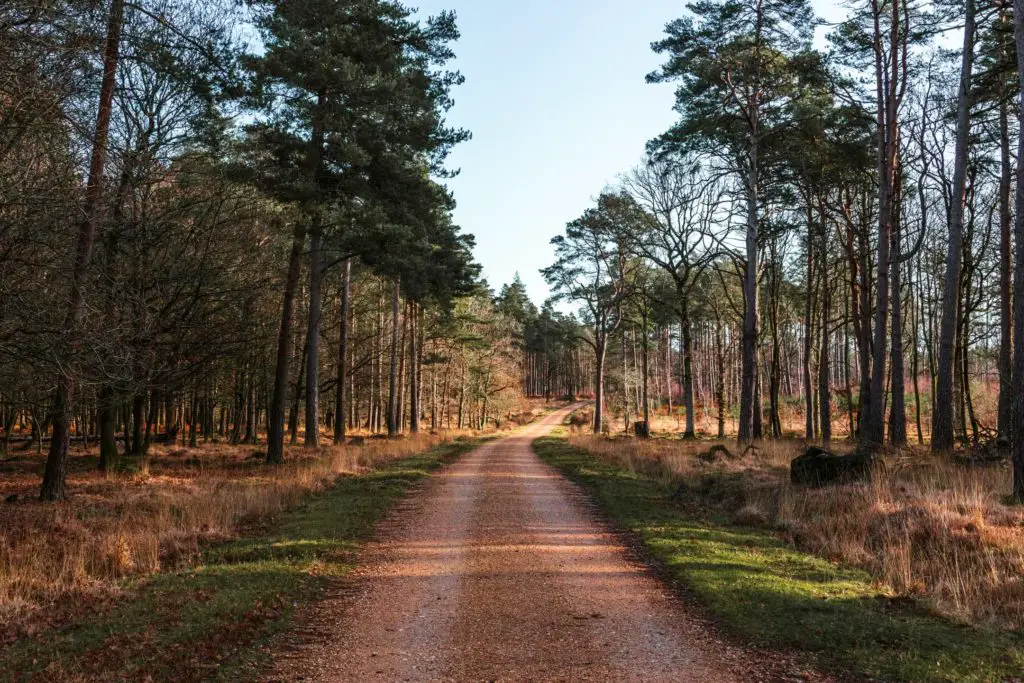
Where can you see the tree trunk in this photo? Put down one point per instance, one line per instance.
(138, 406)
(1017, 430)
(108, 435)
(824, 370)
(720, 388)
(599, 357)
(750, 291)
(1005, 259)
(56, 462)
(888, 89)
(392, 417)
(942, 415)
(275, 416)
(403, 384)
(312, 435)
(808, 330)
(340, 404)
(685, 332)
(898, 411)
(293, 417)
(645, 362)
(416, 340)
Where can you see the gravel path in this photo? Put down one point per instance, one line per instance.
(496, 570)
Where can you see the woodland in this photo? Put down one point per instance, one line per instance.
(824, 245)
(228, 251)
(242, 234)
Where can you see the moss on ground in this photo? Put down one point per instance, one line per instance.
(215, 621)
(768, 594)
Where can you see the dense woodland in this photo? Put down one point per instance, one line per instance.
(224, 222)
(230, 222)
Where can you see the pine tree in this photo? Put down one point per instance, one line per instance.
(733, 62)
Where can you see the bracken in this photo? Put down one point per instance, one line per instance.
(927, 527)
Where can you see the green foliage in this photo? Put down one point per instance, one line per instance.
(350, 98)
(593, 263)
(733, 61)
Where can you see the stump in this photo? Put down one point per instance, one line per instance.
(642, 430)
(818, 467)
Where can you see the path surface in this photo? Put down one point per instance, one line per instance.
(496, 570)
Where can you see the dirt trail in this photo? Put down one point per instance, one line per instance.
(496, 570)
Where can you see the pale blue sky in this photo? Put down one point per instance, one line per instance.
(557, 102)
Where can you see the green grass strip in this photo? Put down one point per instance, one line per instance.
(214, 621)
(771, 595)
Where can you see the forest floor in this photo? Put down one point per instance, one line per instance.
(212, 619)
(761, 588)
(499, 570)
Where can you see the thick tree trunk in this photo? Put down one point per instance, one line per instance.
(1005, 259)
(1017, 431)
(275, 416)
(942, 416)
(748, 374)
(293, 417)
(888, 86)
(56, 462)
(108, 434)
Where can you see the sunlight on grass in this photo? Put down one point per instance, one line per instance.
(769, 594)
(212, 621)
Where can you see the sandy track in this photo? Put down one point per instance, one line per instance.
(496, 570)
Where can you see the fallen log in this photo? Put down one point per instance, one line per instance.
(818, 467)
(712, 454)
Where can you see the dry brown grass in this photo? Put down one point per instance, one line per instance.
(925, 528)
(56, 559)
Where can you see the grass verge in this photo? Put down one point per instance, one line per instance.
(215, 620)
(771, 595)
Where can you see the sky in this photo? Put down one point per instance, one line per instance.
(557, 102)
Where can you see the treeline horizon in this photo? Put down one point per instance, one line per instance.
(205, 235)
(843, 224)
